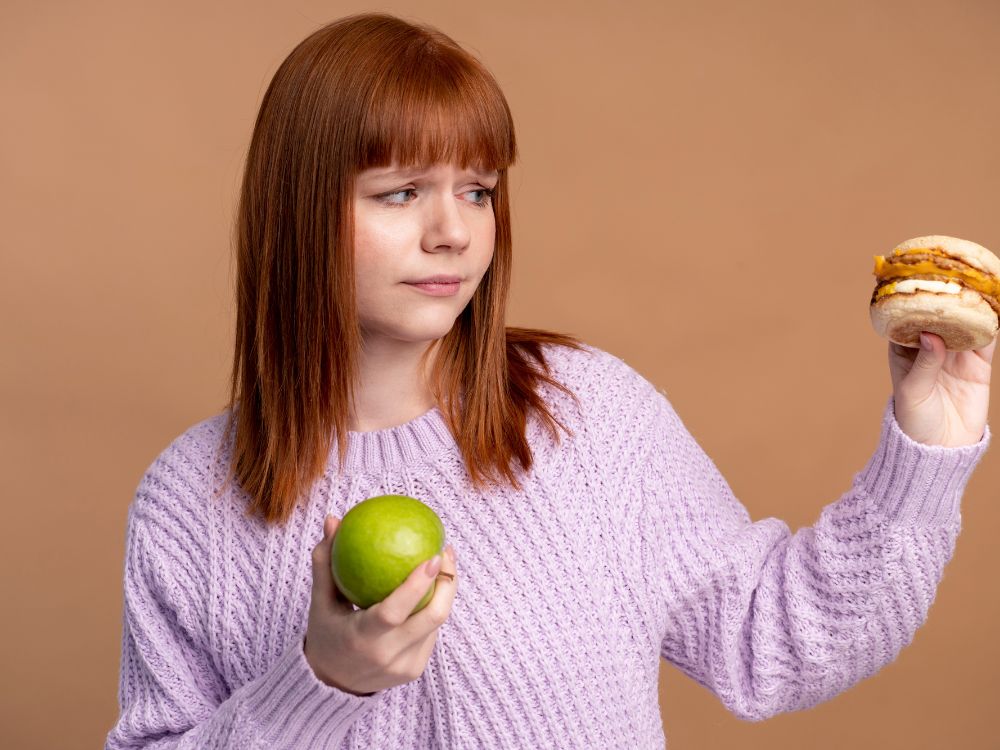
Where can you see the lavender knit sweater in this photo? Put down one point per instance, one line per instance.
(625, 546)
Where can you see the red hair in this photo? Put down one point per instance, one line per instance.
(365, 91)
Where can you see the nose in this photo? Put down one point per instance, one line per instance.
(444, 226)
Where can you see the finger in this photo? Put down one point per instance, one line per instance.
(392, 611)
(437, 610)
(900, 362)
(986, 352)
(922, 377)
(324, 589)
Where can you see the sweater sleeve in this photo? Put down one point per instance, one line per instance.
(772, 621)
(171, 693)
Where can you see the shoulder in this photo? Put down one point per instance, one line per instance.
(592, 372)
(180, 481)
(612, 396)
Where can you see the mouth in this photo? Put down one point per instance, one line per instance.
(438, 279)
(436, 288)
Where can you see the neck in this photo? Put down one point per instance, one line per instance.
(392, 387)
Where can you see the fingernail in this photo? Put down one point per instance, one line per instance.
(925, 342)
(433, 566)
(450, 551)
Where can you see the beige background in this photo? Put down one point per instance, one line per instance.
(701, 190)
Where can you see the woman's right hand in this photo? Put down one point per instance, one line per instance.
(365, 650)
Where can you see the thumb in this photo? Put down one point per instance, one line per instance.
(393, 611)
(923, 375)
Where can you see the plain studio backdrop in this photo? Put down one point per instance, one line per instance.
(701, 190)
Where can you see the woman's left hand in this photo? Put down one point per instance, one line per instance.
(941, 397)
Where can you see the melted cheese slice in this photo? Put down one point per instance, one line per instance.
(982, 282)
(919, 285)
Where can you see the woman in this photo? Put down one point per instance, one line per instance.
(576, 559)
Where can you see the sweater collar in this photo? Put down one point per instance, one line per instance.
(423, 436)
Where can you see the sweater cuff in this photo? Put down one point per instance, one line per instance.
(293, 707)
(915, 484)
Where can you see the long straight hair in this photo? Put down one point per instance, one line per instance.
(366, 91)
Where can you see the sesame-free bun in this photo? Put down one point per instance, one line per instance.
(907, 303)
(965, 320)
(975, 255)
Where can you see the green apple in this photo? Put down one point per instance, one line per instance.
(379, 542)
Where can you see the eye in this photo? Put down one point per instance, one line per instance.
(487, 196)
(384, 198)
(388, 199)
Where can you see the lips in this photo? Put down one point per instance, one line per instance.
(439, 279)
(437, 286)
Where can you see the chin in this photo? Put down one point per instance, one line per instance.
(431, 334)
(413, 333)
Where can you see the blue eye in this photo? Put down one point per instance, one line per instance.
(482, 203)
(394, 203)
(487, 197)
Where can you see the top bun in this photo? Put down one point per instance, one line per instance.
(975, 255)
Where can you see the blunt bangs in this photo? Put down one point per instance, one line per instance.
(435, 105)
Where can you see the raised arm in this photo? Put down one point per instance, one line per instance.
(772, 621)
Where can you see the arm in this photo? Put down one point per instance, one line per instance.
(772, 621)
(171, 694)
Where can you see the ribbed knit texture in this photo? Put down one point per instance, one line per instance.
(625, 545)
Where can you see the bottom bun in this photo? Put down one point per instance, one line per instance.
(965, 320)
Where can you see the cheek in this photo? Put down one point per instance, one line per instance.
(376, 252)
(488, 249)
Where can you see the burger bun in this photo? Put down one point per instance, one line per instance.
(964, 320)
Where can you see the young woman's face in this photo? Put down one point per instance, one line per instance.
(413, 224)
